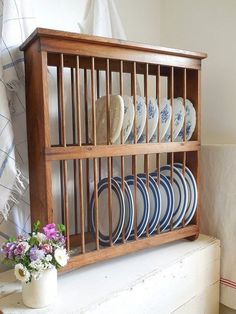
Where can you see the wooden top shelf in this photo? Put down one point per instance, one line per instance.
(68, 36)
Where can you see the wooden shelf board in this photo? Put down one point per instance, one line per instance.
(82, 152)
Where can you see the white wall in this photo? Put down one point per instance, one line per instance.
(141, 19)
(209, 26)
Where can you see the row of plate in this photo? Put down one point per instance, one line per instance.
(157, 205)
(121, 111)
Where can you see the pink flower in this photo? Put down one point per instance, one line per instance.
(47, 248)
(50, 231)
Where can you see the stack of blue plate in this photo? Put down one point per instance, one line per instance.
(155, 205)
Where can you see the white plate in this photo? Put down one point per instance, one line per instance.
(165, 118)
(192, 192)
(190, 121)
(152, 120)
(180, 192)
(129, 208)
(167, 200)
(140, 119)
(118, 211)
(178, 116)
(155, 201)
(142, 205)
(116, 119)
(128, 118)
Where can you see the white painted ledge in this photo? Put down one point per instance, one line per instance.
(179, 278)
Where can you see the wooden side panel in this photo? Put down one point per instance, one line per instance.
(38, 134)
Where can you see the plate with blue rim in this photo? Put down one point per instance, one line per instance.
(155, 202)
(129, 208)
(167, 200)
(190, 121)
(178, 120)
(192, 192)
(141, 113)
(165, 118)
(180, 193)
(118, 211)
(152, 114)
(142, 204)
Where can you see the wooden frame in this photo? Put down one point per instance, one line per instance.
(87, 57)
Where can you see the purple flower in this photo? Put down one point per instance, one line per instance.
(50, 231)
(21, 248)
(8, 249)
(36, 254)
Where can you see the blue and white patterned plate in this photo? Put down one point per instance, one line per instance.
(180, 193)
(178, 116)
(190, 121)
(167, 200)
(140, 119)
(129, 208)
(152, 120)
(142, 204)
(192, 192)
(128, 118)
(165, 118)
(118, 211)
(155, 202)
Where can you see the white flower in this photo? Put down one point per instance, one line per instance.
(37, 265)
(48, 258)
(26, 246)
(22, 273)
(61, 256)
(41, 237)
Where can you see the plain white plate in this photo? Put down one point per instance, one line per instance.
(116, 119)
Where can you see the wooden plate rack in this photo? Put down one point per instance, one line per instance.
(65, 163)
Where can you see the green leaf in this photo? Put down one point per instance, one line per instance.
(12, 239)
(36, 226)
(61, 228)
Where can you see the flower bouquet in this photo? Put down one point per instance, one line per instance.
(36, 258)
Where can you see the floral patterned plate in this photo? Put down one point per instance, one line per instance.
(165, 118)
(140, 119)
(178, 116)
(153, 114)
(190, 121)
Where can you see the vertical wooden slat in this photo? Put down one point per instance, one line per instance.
(80, 170)
(172, 128)
(108, 143)
(98, 96)
(95, 168)
(158, 97)
(75, 163)
(134, 158)
(122, 163)
(60, 142)
(64, 162)
(146, 156)
(87, 142)
(38, 133)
